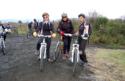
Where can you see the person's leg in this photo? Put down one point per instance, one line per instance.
(83, 55)
(38, 44)
(48, 41)
(65, 47)
(69, 43)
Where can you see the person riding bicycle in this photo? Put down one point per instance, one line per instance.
(45, 28)
(83, 36)
(65, 26)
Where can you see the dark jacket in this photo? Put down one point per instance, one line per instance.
(46, 28)
(65, 26)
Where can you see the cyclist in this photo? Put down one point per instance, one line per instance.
(83, 29)
(46, 28)
(65, 26)
(35, 25)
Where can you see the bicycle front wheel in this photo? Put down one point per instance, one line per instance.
(75, 61)
(42, 63)
(3, 47)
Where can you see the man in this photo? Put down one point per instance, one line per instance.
(65, 26)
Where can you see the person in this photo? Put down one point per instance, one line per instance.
(65, 26)
(45, 28)
(2, 31)
(35, 25)
(30, 31)
(83, 36)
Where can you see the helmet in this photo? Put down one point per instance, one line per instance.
(64, 15)
(83, 15)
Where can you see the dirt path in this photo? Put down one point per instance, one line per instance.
(21, 64)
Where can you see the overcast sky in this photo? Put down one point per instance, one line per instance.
(29, 9)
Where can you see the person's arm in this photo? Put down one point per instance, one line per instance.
(72, 28)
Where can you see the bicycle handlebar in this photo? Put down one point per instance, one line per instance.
(46, 36)
(68, 34)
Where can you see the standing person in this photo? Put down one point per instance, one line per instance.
(65, 26)
(84, 32)
(30, 31)
(45, 28)
(35, 24)
(2, 31)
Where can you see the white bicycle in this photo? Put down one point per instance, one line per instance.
(43, 55)
(75, 53)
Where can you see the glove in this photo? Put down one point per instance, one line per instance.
(53, 35)
(62, 33)
(86, 35)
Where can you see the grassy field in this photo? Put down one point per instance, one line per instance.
(111, 64)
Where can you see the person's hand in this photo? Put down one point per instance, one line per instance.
(35, 34)
(86, 35)
(53, 35)
(62, 33)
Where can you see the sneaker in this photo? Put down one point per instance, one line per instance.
(36, 52)
(64, 57)
(50, 60)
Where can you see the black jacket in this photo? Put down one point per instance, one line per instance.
(46, 28)
(65, 26)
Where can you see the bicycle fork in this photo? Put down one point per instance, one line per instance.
(75, 47)
(43, 45)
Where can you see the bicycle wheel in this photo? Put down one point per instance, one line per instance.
(75, 61)
(3, 47)
(42, 63)
(57, 53)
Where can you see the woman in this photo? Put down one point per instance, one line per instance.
(65, 26)
(45, 28)
(83, 37)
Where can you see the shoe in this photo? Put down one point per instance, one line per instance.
(36, 52)
(64, 57)
(67, 56)
(50, 60)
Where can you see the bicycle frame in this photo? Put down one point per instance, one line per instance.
(75, 47)
(43, 44)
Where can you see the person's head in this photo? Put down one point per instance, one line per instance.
(64, 17)
(34, 20)
(45, 16)
(81, 18)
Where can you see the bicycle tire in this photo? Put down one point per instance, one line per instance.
(3, 47)
(57, 53)
(42, 64)
(75, 61)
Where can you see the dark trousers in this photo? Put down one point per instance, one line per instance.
(48, 41)
(82, 47)
(67, 42)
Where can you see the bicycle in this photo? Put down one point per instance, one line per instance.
(2, 43)
(58, 50)
(59, 47)
(43, 55)
(75, 53)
